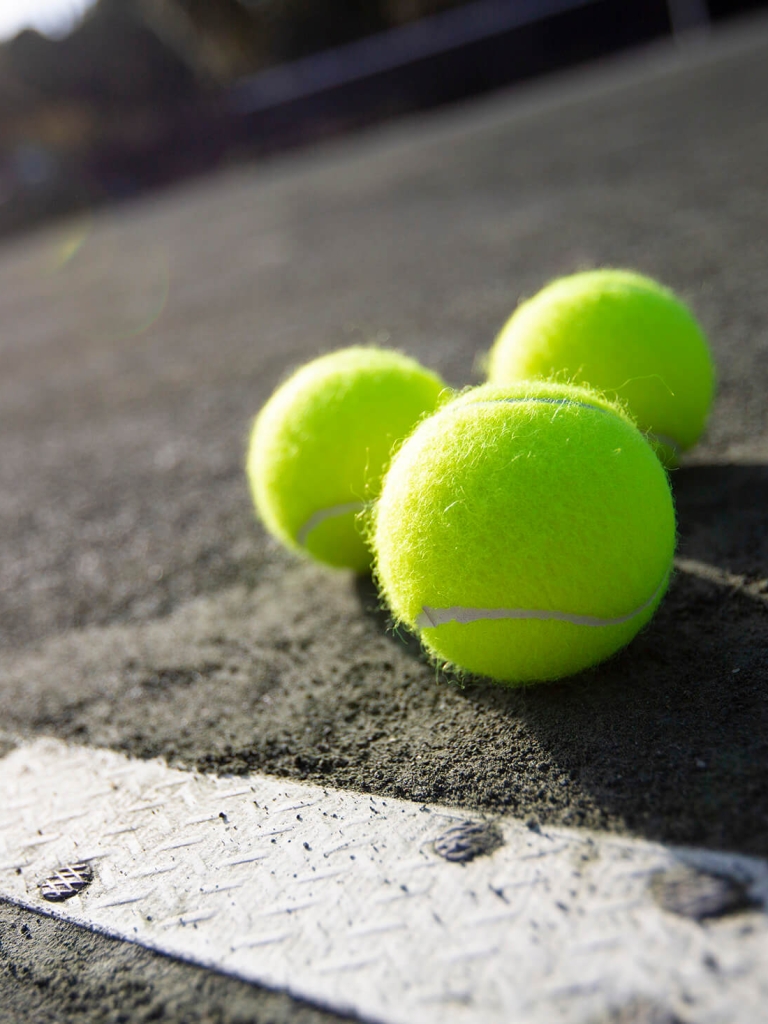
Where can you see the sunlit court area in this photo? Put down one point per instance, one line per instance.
(383, 544)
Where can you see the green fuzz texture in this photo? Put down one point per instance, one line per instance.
(537, 499)
(319, 447)
(623, 334)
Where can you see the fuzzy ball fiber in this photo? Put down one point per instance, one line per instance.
(525, 532)
(321, 443)
(625, 335)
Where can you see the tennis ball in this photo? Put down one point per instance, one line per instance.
(525, 532)
(623, 334)
(319, 447)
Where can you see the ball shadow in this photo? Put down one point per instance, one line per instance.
(375, 609)
(722, 516)
(669, 738)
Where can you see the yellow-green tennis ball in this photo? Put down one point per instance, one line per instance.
(623, 334)
(525, 532)
(320, 445)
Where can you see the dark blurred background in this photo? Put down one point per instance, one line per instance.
(140, 93)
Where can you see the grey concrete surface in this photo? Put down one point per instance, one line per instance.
(142, 607)
(51, 971)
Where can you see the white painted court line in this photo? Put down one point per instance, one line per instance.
(342, 898)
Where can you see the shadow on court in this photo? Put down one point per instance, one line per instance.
(671, 735)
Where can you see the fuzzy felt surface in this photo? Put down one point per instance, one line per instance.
(622, 333)
(321, 442)
(143, 607)
(523, 508)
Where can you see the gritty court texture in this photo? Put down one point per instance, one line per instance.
(143, 611)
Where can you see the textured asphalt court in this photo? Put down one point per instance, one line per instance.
(143, 610)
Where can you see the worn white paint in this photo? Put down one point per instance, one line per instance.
(340, 898)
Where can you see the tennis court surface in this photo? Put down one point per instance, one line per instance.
(167, 671)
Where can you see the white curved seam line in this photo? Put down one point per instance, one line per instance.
(664, 439)
(327, 513)
(540, 401)
(433, 617)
